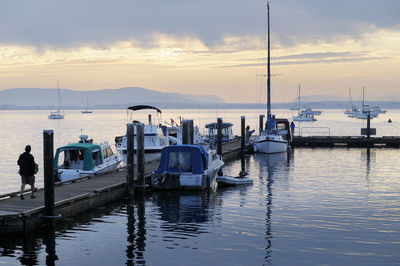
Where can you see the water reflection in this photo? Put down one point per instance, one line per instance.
(136, 232)
(367, 155)
(184, 212)
(270, 164)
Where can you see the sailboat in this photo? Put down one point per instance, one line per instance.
(57, 114)
(273, 139)
(301, 115)
(87, 111)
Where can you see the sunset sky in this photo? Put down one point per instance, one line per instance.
(203, 47)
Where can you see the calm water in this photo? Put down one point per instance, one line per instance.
(309, 207)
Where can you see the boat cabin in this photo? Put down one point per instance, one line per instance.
(227, 132)
(183, 158)
(82, 156)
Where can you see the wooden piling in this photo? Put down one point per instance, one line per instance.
(48, 167)
(140, 154)
(190, 132)
(185, 133)
(261, 123)
(219, 136)
(242, 145)
(130, 157)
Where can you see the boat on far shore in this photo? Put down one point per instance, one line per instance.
(87, 111)
(57, 114)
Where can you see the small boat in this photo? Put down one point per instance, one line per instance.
(57, 114)
(154, 138)
(188, 167)
(84, 158)
(306, 114)
(233, 181)
(310, 111)
(87, 111)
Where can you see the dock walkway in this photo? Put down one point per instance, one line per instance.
(346, 141)
(72, 198)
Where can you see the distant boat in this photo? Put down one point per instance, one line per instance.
(303, 115)
(366, 110)
(87, 111)
(57, 114)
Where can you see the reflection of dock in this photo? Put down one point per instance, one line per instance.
(346, 141)
(72, 198)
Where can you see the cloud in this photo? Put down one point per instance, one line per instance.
(311, 58)
(72, 23)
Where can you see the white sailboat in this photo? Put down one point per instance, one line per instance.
(302, 116)
(57, 114)
(271, 140)
(87, 111)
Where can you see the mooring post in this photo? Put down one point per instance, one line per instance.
(243, 145)
(185, 133)
(140, 155)
(190, 132)
(261, 125)
(130, 141)
(48, 167)
(219, 136)
(369, 129)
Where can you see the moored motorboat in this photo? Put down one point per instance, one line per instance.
(154, 139)
(84, 158)
(227, 132)
(187, 167)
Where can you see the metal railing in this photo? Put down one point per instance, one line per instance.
(321, 131)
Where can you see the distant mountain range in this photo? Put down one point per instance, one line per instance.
(109, 98)
(36, 98)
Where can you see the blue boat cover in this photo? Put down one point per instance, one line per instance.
(183, 158)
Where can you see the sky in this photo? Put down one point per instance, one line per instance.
(204, 47)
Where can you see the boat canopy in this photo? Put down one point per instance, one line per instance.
(183, 158)
(215, 125)
(84, 151)
(141, 107)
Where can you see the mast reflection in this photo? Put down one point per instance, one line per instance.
(270, 164)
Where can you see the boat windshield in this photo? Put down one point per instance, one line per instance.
(180, 161)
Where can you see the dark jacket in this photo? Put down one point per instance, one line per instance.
(26, 164)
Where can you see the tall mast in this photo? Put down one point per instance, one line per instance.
(269, 118)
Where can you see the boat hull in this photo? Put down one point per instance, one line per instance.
(70, 174)
(185, 181)
(270, 146)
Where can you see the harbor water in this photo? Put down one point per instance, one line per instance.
(320, 206)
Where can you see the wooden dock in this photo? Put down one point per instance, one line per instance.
(349, 141)
(72, 198)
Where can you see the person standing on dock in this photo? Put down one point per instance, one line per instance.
(27, 167)
(292, 126)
